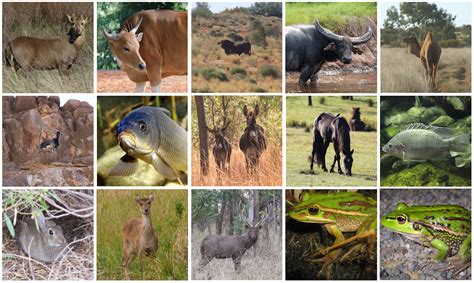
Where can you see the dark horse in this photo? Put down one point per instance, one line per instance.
(252, 142)
(328, 128)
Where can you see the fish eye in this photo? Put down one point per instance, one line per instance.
(417, 226)
(401, 219)
(313, 210)
(126, 49)
(143, 127)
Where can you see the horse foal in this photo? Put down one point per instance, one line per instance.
(139, 238)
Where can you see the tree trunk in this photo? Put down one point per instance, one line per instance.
(279, 215)
(203, 146)
(275, 214)
(231, 213)
(310, 101)
(256, 209)
(220, 219)
(265, 225)
(209, 230)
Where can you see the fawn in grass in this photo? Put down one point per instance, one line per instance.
(139, 238)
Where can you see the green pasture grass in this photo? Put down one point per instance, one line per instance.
(116, 207)
(332, 14)
(299, 142)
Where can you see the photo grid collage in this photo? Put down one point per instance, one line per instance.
(189, 141)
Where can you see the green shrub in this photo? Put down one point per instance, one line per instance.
(370, 103)
(238, 70)
(270, 71)
(322, 100)
(211, 73)
(234, 36)
(259, 90)
(216, 33)
(257, 34)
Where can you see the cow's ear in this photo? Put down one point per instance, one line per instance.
(356, 50)
(140, 36)
(246, 111)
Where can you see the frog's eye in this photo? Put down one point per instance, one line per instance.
(313, 210)
(401, 219)
(416, 226)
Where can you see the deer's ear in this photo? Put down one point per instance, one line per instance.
(150, 197)
(257, 110)
(137, 198)
(246, 111)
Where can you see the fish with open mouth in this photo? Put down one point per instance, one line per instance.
(149, 134)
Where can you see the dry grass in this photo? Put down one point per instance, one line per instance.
(73, 210)
(269, 173)
(45, 20)
(403, 72)
(262, 262)
(208, 54)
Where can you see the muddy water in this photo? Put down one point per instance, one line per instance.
(337, 83)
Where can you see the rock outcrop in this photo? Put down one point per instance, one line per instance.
(27, 122)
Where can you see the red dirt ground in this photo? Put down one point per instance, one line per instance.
(117, 81)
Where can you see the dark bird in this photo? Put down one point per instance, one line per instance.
(54, 143)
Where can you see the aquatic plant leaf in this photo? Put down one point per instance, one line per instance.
(455, 102)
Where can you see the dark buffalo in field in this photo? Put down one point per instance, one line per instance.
(309, 46)
(239, 48)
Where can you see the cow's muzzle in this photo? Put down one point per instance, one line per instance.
(346, 60)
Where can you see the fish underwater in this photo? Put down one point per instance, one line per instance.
(149, 134)
(420, 142)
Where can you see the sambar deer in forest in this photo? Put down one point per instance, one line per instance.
(28, 53)
(139, 237)
(230, 246)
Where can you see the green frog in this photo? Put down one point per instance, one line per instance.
(340, 212)
(447, 228)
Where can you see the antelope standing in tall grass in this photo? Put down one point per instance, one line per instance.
(139, 238)
(28, 53)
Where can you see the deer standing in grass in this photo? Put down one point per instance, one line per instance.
(139, 238)
(221, 147)
(230, 246)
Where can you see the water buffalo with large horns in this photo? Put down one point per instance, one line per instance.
(307, 47)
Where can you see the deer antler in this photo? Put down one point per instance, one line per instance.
(262, 220)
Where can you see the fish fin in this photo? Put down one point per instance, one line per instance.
(126, 166)
(166, 111)
(460, 143)
(163, 168)
(442, 131)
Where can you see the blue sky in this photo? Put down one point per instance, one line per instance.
(462, 11)
(217, 7)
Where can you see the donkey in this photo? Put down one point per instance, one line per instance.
(355, 122)
(329, 128)
(139, 238)
(221, 148)
(253, 141)
(60, 53)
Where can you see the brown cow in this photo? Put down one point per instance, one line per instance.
(429, 54)
(151, 45)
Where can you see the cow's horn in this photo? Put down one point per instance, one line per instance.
(362, 39)
(328, 34)
(134, 30)
(108, 36)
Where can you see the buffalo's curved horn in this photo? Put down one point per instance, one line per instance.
(109, 36)
(362, 39)
(328, 34)
(134, 30)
